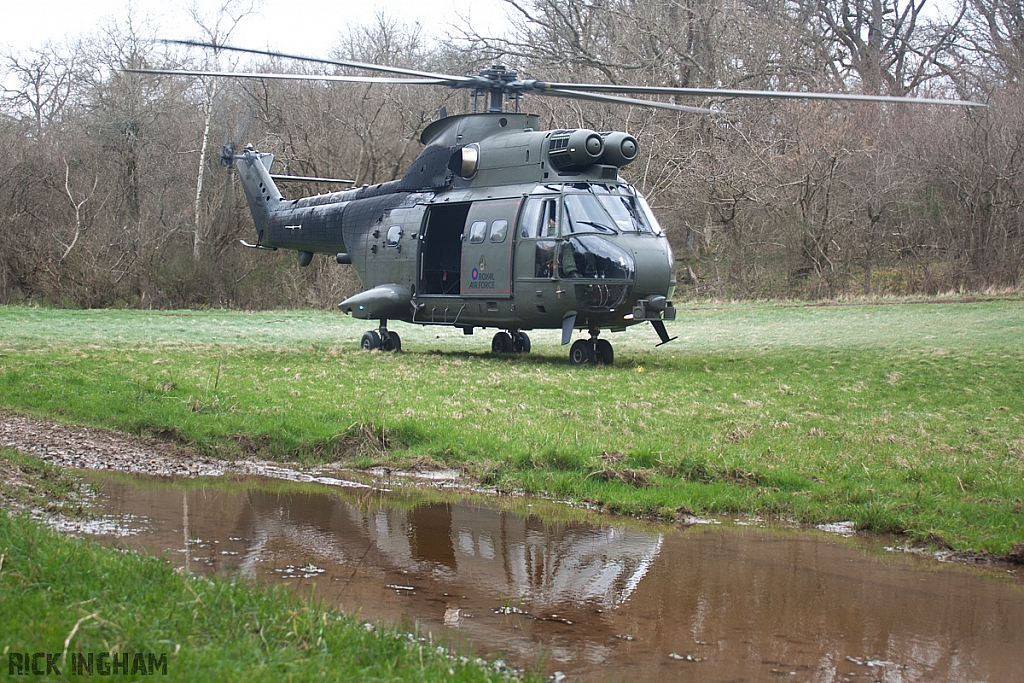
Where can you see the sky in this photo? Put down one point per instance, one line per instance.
(308, 27)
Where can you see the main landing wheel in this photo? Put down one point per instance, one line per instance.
(581, 352)
(501, 343)
(520, 342)
(595, 351)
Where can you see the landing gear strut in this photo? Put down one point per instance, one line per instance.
(591, 350)
(381, 338)
(513, 341)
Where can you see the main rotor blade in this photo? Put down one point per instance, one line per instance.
(451, 80)
(290, 77)
(544, 87)
(576, 95)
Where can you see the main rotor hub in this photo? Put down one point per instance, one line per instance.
(499, 81)
(499, 73)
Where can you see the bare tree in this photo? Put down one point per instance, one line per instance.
(216, 28)
(990, 52)
(881, 42)
(76, 203)
(45, 84)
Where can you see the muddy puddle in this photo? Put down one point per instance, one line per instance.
(594, 597)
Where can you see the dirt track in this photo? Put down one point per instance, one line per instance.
(101, 449)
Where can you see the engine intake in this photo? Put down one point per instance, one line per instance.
(465, 161)
(574, 150)
(620, 149)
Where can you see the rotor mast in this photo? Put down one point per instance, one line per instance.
(495, 82)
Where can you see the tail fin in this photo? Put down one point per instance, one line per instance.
(261, 192)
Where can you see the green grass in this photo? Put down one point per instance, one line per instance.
(902, 418)
(29, 483)
(58, 590)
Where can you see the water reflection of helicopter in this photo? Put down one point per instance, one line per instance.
(497, 223)
(465, 546)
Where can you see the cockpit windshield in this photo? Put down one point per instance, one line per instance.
(628, 208)
(607, 209)
(583, 213)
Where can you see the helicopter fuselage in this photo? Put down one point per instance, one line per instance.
(496, 224)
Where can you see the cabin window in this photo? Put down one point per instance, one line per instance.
(477, 232)
(499, 229)
(394, 235)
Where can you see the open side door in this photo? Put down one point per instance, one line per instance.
(487, 249)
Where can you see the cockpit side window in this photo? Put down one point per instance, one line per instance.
(529, 220)
(652, 220)
(539, 218)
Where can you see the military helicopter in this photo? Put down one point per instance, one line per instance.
(497, 223)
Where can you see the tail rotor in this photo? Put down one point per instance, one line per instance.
(227, 155)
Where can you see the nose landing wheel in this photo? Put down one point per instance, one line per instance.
(382, 339)
(603, 352)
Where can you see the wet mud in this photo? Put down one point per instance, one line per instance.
(593, 598)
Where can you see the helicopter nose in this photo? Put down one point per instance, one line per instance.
(653, 270)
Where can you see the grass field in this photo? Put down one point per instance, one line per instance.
(905, 418)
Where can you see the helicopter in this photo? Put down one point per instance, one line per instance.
(498, 223)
